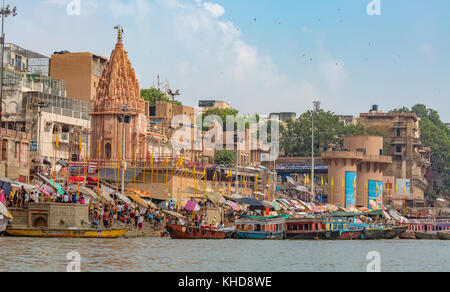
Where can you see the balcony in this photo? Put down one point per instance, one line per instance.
(399, 126)
(398, 141)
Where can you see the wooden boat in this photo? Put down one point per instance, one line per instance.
(443, 235)
(255, 227)
(92, 233)
(345, 229)
(186, 232)
(426, 235)
(308, 229)
(393, 232)
(373, 232)
(408, 234)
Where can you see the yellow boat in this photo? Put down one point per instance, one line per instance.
(105, 233)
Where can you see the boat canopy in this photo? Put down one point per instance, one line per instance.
(352, 214)
(251, 202)
(4, 211)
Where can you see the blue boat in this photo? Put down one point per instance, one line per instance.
(256, 227)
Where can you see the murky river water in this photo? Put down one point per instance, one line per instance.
(165, 254)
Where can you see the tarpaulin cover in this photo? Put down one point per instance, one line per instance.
(192, 206)
(251, 202)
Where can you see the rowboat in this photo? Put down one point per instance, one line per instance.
(185, 232)
(93, 233)
(426, 235)
(393, 232)
(256, 227)
(443, 235)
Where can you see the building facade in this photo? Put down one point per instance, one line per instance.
(80, 71)
(410, 159)
(355, 176)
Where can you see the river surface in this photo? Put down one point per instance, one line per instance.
(168, 255)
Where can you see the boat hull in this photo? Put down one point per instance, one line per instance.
(408, 234)
(182, 232)
(393, 232)
(314, 235)
(350, 235)
(426, 235)
(444, 235)
(260, 235)
(107, 233)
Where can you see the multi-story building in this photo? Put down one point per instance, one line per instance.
(283, 117)
(14, 160)
(37, 104)
(410, 159)
(80, 71)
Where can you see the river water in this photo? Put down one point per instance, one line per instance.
(168, 255)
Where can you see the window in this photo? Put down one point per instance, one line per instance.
(399, 149)
(108, 150)
(399, 132)
(4, 150)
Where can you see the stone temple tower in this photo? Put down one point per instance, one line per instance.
(118, 87)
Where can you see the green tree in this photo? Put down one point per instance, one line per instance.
(154, 95)
(329, 131)
(224, 157)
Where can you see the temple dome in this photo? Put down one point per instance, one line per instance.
(118, 84)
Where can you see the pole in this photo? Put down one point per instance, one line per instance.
(312, 155)
(123, 150)
(1, 64)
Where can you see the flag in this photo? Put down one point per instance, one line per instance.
(230, 174)
(166, 162)
(256, 181)
(343, 183)
(135, 156)
(214, 176)
(332, 182)
(57, 141)
(396, 189)
(81, 145)
(204, 172)
(180, 162)
(321, 180)
(194, 169)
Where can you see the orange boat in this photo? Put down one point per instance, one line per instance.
(186, 232)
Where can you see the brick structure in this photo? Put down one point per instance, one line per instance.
(54, 216)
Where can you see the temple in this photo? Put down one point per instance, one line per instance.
(118, 87)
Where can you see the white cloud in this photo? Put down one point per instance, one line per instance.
(215, 9)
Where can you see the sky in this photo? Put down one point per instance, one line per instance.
(262, 55)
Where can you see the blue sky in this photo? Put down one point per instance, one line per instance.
(260, 55)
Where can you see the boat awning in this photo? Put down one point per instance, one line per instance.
(4, 211)
(251, 202)
(136, 198)
(214, 197)
(175, 214)
(52, 184)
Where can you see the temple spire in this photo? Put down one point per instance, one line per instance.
(119, 32)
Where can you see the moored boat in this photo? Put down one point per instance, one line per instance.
(373, 232)
(308, 229)
(93, 233)
(345, 229)
(393, 232)
(443, 235)
(186, 232)
(255, 227)
(426, 235)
